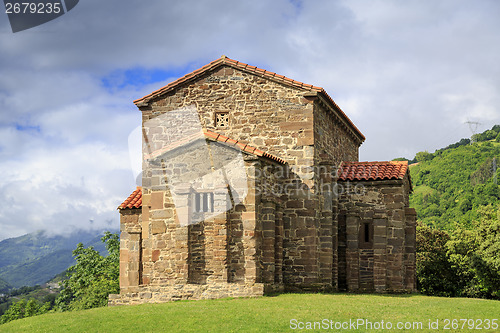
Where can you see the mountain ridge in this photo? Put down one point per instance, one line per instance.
(37, 257)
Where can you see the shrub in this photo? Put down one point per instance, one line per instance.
(92, 278)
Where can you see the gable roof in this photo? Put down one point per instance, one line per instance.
(373, 170)
(242, 146)
(214, 137)
(134, 200)
(225, 61)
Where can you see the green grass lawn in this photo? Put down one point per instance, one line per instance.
(272, 314)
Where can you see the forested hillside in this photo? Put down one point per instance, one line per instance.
(456, 195)
(451, 184)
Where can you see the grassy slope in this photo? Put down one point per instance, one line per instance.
(267, 314)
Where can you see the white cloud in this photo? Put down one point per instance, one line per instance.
(408, 74)
(59, 188)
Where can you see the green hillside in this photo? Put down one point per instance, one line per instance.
(451, 184)
(457, 198)
(282, 313)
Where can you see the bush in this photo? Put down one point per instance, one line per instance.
(23, 309)
(435, 274)
(463, 263)
(92, 278)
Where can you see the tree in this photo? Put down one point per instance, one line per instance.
(435, 274)
(475, 256)
(476, 138)
(93, 277)
(23, 309)
(15, 311)
(489, 135)
(487, 259)
(423, 156)
(483, 173)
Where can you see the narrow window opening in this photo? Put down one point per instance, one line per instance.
(204, 202)
(197, 202)
(367, 233)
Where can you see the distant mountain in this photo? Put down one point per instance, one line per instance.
(4, 286)
(37, 257)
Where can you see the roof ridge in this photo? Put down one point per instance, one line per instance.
(374, 162)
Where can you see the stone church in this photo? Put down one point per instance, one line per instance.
(251, 185)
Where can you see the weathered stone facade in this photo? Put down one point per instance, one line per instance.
(376, 236)
(242, 199)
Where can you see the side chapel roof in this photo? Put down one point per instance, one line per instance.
(135, 199)
(372, 170)
(352, 171)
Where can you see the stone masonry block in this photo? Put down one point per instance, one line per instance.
(157, 200)
(268, 242)
(158, 227)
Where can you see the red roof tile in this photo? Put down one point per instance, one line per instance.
(254, 70)
(216, 137)
(347, 171)
(372, 170)
(241, 146)
(134, 200)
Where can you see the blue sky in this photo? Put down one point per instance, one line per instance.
(408, 74)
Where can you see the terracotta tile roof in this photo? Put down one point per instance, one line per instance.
(215, 137)
(254, 70)
(134, 200)
(175, 144)
(372, 170)
(242, 146)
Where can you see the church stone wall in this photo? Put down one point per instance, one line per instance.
(333, 141)
(290, 232)
(376, 237)
(262, 113)
(130, 247)
(285, 122)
